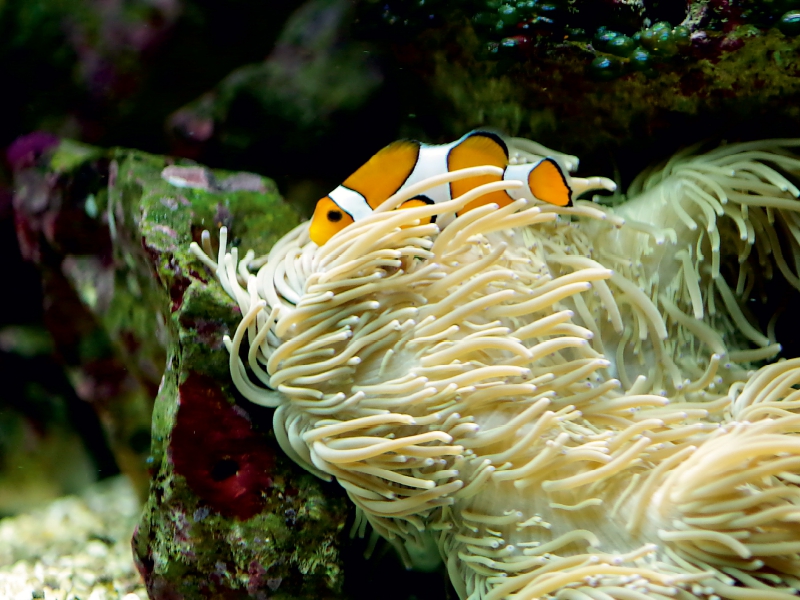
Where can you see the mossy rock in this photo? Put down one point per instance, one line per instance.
(227, 516)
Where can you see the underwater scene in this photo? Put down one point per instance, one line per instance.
(400, 299)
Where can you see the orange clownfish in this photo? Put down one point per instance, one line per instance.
(406, 162)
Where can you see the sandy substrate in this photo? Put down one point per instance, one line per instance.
(76, 548)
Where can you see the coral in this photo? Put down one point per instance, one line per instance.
(563, 400)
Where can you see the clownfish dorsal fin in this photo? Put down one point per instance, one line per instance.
(478, 148)
(384, 173)
(475, 149)
(548, 183)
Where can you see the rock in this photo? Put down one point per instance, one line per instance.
(109, 231)
(619, 83)
(100, 316)
(76, 65)
(315, 100)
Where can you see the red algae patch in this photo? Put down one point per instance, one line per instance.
(215, 448)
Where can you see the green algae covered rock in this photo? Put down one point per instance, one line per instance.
(621, 83)
(227, 516)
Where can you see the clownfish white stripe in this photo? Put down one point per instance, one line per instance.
(518, 173)
(432, 161)
(351, 202)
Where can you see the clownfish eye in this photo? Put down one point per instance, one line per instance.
(334, 216)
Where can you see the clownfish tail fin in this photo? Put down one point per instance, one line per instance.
(548, 183)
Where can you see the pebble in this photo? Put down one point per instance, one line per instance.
(76, 547)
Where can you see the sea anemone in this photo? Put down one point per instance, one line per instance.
(562, 400)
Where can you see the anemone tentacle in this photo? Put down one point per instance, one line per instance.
(560, 398)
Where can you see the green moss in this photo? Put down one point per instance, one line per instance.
(169, 219)
(70, 154)
(193, 543)
(193, 548)
(756, 62)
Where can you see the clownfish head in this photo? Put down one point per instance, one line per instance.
(328, 220)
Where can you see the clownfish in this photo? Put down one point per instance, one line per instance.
(406, 162)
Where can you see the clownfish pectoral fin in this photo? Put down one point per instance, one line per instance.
(419, 201)
(548, 183)
(328, 220)
(385, 173)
